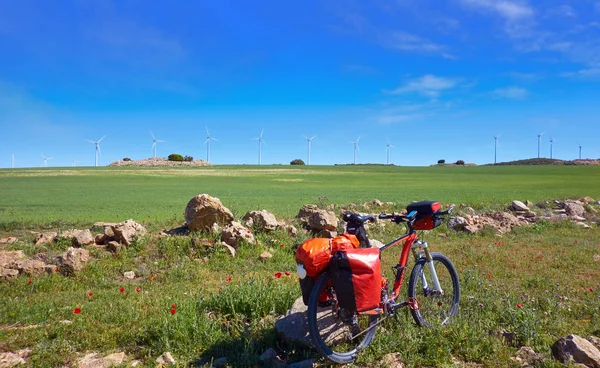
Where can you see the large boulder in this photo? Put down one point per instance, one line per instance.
(574, 208)
(74, 259)
(293, 327)
(576, 349)
(457, 223)
(46, 238)
(317, 219)
(8, 274)
(127, 231)
(30, 267)
(203, 211)
(262, 220)
(234, 234)
(9, 258)
(519, 206)
(78, 238)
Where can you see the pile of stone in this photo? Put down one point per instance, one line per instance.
(158, 161)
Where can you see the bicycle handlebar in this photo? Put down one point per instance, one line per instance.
(354, 217)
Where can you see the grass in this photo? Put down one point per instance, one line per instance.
(227, 306)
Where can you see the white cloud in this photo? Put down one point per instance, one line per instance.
(428, 85)
(588, 73)
(509, 10)
(405, 41)
(513, 93)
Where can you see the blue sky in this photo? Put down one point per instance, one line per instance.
(437, 78)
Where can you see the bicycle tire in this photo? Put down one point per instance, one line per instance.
(432, 308)
(329, 332)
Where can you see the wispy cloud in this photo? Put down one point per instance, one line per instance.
(428, 85)
(513, 93)
(509, 10)
(404, 41)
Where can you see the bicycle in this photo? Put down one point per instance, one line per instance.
(433, 293)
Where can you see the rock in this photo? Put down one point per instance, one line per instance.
(519, 206)
(46, 238)
(203, 211)
(8, 258)
(578, 218)
(78, 238)
(50, 269)
(129, 275)
(231, 249)
(234, 234)
(220, 362)
(108, 231)
(327, 234)
(574, 208)
(74, 259)
(9, 359)
(583, 225)
(101, 239)
(596, 257)
(165, 359)
(469, 210)
(317, 219)
(376, 203)
(262, 220)
(8, 274)
(376, 243)
(529, 203)
(127, 231)
(30, 267)
(470, 229)
(265, 256)
(526, 356)
(587, 199)
(392, 360)
(595, 341)
(293, 327)
(93, 361)
(9, 240)
(114, 246)
(576, 349)
(178, 231)
(291, 229)
(308, 363)
(457, 223)
(267, 356)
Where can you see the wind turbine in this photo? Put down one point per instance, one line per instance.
(74, 163)
(551, 141)
(496, 137)
(355, 143)
(579, 150)
(12, 161)
(46, 160)
(387, 148)
(309, 140)
(207, 142)
(154, 143)
(539, 142)
(260, 142)
(97, 144)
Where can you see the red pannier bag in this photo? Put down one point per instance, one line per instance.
(356, 277)
(426, 218)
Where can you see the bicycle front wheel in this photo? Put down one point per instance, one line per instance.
(430, 306)
(337, 334)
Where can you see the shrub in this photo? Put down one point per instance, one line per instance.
(297, 162)
(460, 162)
(188, 158)
(175, 157)
(126, 159)
(441, 161)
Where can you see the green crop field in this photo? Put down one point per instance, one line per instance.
(537, 283)
(160, 194)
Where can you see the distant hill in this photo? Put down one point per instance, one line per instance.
(549, 161)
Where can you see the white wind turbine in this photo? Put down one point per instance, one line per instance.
(308, 140)
(46, 160)
(579, 150)
(496, 137)
(154, 140)
(387, 148)
(260, 142)
(207, 142)
(539, 143)
(97, 144)
(12, 161)
(74, 163)
(355, 143)
(551, 142)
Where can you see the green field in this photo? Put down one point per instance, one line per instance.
(159, 194)
(540, 282)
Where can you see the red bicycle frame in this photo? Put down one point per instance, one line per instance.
(408, 239)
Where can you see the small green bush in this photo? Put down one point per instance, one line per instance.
(441, 161)
(175, 157)
(188, 158)
(126, 159)
(297, 162)
(460, 162)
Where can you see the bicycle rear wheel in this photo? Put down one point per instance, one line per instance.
(337, 334)
(430, 307)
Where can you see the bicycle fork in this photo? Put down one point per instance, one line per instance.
(422, 245)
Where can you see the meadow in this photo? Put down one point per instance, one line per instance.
(539, 282)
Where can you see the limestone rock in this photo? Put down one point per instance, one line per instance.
(101, 239)
(114, 246)
(8, 274)
(262, 220)
(457, 223)
(129, 275)
(576, 349)
(229, 248)
(583, 225)
(291, 229)
(293, 327)
(74, 259)
(376, 243)
(317, 219)
(265, 256)
(326, 234)
(92, 360)
(9, 359)
(78, 238)
(392, 360)
(126, 232)
(203, 211)
(165, 359)
(574, 208)
(234, 234)
(519, 206)
(30, 267)
(8, 258)
(46, 238)
(9, 240)
(526, 356)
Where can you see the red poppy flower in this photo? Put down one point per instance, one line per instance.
(29, 281)
(228, 279)
(56, 270)
(489, 275)
(278, 274)
(9, 238)
(519, 305)
(84, 279)
(173, 306)
(138, 289)
(281, 245)
(90, 294)
(591, 289)
(287, 273)
(76, 310)
(173, 311)
(122, 289)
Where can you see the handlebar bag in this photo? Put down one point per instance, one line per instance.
(426, 218)
(356, 277)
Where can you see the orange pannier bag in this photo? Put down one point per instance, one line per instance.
(314, 254)
(344, 241)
